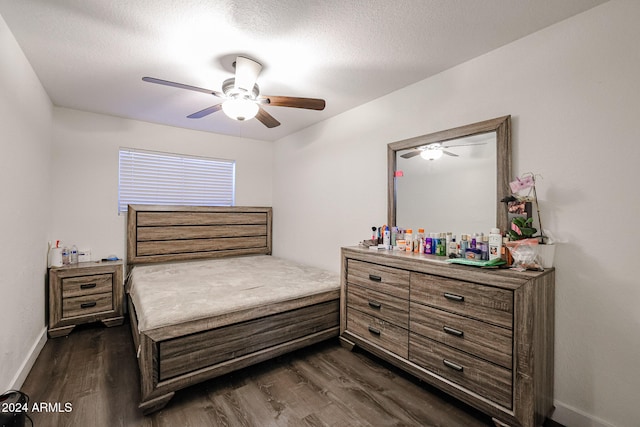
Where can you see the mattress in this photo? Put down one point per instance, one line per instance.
(173, 293)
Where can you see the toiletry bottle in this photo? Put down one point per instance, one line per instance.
(447, 249)
(418, 240)
(386, 237)
(408, 236)
(495, 244)
(440, 248)
(453, 247)
(428, 245)
(474, 241)
(484, 248)
(464, 245)
(394, 235)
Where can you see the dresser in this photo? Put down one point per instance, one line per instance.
(85, 292)
(485, 336)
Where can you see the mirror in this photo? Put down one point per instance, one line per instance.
(461, 189)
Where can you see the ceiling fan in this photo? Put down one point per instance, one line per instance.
(241, 96)
(435, 150)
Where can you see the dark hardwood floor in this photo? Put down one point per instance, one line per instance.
(95, 370)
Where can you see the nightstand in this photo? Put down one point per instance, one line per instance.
(85, 292)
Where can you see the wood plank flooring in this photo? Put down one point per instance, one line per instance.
(95, 370)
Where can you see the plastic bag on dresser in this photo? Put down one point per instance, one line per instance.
(525, 255)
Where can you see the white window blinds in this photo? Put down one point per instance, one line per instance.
(147, 177)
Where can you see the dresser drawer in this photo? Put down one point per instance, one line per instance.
(384, 334)
(87, 304)
(486, 303)
(489, 342)
(392, 281)
(477, 375)
(385, 307)
(86, 285)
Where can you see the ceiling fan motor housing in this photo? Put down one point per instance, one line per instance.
(229, 89)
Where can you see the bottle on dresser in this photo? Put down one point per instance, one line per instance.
(408, 236)
(418, 241)
(495, 244)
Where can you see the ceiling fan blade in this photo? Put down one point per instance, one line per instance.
(247, 71)
(463, 145)
(448, 153)
(411, 154)
(205, 112)
(183, 86)
(291, 101)
(266, 119)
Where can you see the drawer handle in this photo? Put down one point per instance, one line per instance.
(374, 330)
(88, 286)
(375, 278)
(453, 297)
(375, 304)
(452, 365)
(452, 331)
(88, 304)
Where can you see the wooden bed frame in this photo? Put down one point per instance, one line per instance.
(174, 357)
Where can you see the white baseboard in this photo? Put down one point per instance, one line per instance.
(573, 417)
(28, 362)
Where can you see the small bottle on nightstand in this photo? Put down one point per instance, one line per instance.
(74, 254)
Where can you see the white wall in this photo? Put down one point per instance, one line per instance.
(84, 210)
(573, 91)
(25, 140)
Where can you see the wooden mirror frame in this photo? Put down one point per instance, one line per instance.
(502, 127)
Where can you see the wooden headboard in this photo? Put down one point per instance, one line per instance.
(175, 233)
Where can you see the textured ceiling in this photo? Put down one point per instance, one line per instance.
(91, 54)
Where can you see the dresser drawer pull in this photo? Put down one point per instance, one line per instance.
(88, 286)
(374, 331)
(375, 304)
(88, 304)
(452, 365)
(375, 278)
(453, 297)
(452, 331)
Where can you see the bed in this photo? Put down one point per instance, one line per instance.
(207, 298)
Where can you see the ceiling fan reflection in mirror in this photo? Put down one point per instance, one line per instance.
(241, 96)
(435, 150)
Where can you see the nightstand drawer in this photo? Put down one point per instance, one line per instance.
(485, 303)
(88, 304)
(392, 281)
(384, 334)
(86, 285)
(386, 307)
(477, 375)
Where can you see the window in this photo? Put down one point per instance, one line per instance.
(170, 179)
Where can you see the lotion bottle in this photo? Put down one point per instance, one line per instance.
(495, 244)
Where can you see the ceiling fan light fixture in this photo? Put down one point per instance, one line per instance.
(240, 109)
(429, 154)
